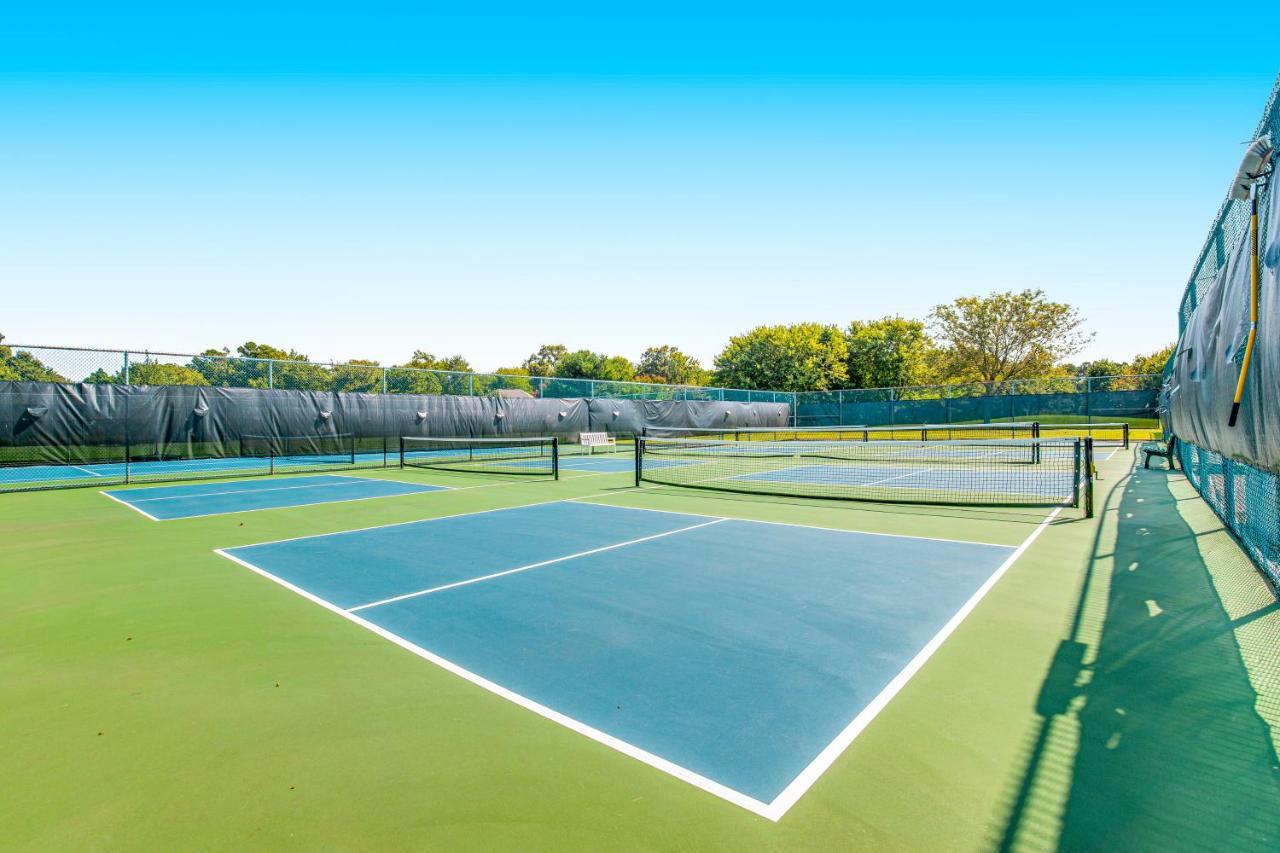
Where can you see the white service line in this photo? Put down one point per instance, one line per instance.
(794, 791)
(425, 520)
(86, 470)
(630, 750)
(346, 481)
(470, 581)
(791, 523)
(129, 505)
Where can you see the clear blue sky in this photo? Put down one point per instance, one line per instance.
(368, 181)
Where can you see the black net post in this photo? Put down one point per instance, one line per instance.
(639, 449)
(1088, 478)
(1126, 436)
(555, 458)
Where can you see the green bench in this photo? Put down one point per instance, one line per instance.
(1164, 449)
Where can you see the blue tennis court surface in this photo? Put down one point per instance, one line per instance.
(1053, 485)
(163, 503)
(729, 653)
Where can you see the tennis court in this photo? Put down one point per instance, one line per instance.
(673, 638)
(164, 503)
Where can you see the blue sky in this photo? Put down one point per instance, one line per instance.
(364, 183)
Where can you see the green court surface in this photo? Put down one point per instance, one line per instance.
(1117, 688)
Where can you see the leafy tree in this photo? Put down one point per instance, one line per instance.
(1102, 373)
(585, 364)
(668, 364)
(511, 377)
(160, 373)
(799, 357)
(1005, 335)
(1153, 362)
(887, 352)
(546, 361)
(358, 375)
(99, 377)
(24, 366)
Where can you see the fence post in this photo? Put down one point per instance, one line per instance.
(271, 374)
(384, 390)
(126, 367)
(471, 384)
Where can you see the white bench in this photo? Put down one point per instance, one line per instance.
(592, 440)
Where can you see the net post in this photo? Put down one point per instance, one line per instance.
(1125, 430)
(639, 455)
(555, 458)
(402, 451)
(1088, 478)
(1077, 457)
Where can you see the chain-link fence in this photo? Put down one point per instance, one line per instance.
(142, 367)
(1231, 223)
(1069, 399)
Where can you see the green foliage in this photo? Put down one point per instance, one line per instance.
(585, 364)
(99, 377)
(358, 375)
(23, 366)
(669, 365)
(799, 357)
(1152, 362)
(510, 377)
(546, 361)
(1005, 335)
(888, 352)
(159, 373)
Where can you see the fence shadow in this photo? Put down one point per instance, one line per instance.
(1148, 734)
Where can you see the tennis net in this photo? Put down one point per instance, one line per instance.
(922, 432)
(1002, 472)
(539, 455)
(331, 449)
(1110, 434)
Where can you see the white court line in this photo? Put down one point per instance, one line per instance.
(470, 581)
(792, 524)
(773, 810)
(827, 757)
(86, 470)
(424, 520)
(347, 481)
(129, 505)
(684, 774)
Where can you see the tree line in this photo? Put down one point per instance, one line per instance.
(993, 338)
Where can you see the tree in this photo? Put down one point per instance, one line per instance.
(160, 373)
(99, 377)
(1102, 373)
(1152, 363)
(511, 377)
(546, 360)
(668, 364)
(1005, 335)
(24, 366)
(358, 375)
(799, 357)
(886, 353)
(585, 364)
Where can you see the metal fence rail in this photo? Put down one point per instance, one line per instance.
(149, 367)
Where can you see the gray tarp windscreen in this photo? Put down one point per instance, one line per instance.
(81, 423)
(1208, 358)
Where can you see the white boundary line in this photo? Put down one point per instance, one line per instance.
(792, 523)
(86, 470)
(129, 505)
(791, 794)
(550, 562)
(423, 520)
(657, 762)
(827, 757)
(346, 481)
(423, 489)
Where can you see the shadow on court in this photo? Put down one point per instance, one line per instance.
(1148, 733)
